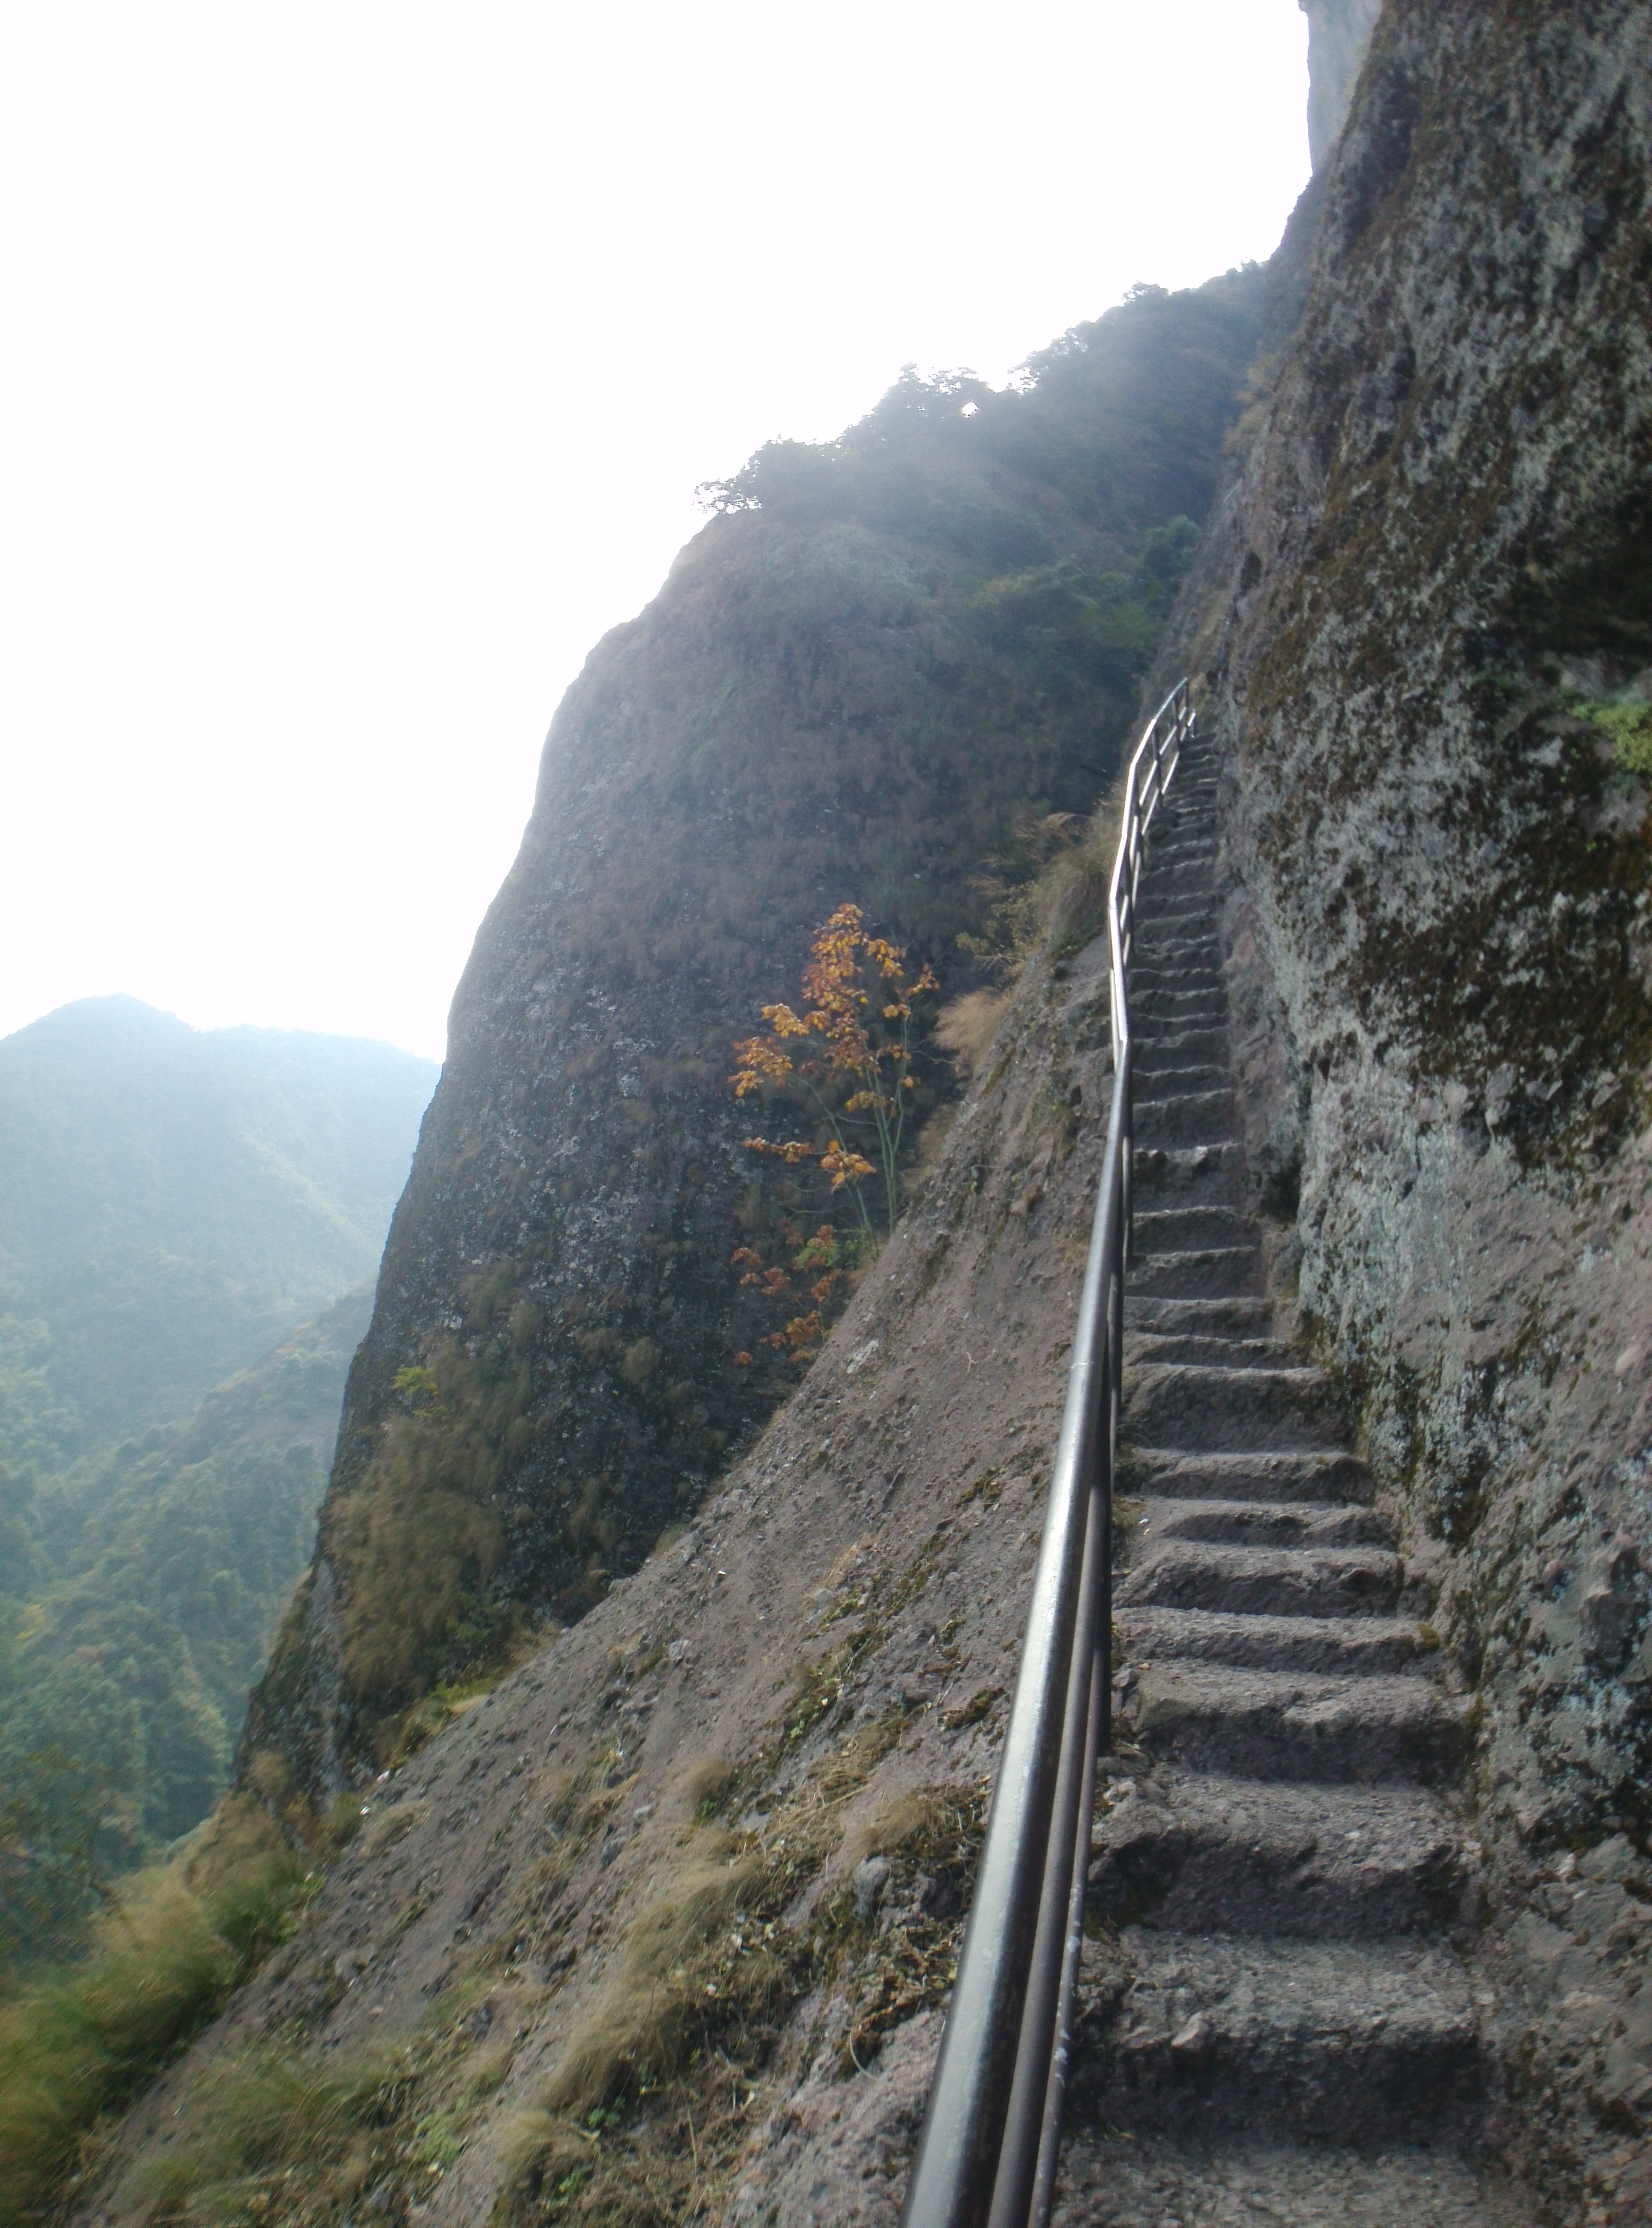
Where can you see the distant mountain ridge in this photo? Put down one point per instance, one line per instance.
(173, 1202)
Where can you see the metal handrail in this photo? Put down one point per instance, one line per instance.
(992, 2132)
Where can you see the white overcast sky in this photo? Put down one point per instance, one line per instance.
(361, 362)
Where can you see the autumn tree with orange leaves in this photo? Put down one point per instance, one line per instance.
(846, 1058)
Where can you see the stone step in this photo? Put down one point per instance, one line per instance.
(1194, 913)
(1161, 1077)
(1269, 1523)
(1260, 1473)
(1170, 1041)
(1176, 1169)
(1178, 941)
(1112, 2181)
(1149, 1346)
(1193, 1406)
(1235, 1856)
(1162, 876)
(1159, 1013)
(1263, 1581)
(1333, 1646)
(1171, 970)
(1215, 1273)
(1176, 1229)
(1292, 1725)
(1245, 1316)
(1161, 1006)
(1197, 1118)
(1324, 2041)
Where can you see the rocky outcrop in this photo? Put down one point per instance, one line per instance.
(858, 684)
(1339, 37)
(1423, 620)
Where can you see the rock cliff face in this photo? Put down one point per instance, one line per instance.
(1339, 36)
(1424, 616)
(859, 688)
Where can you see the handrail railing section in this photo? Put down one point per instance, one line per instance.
(992, 2132)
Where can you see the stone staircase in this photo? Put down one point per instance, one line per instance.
(1277, 2018)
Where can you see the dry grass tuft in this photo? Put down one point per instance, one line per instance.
(77, 2045)
(704, 1784)
(967, 1027)
(636, 2035)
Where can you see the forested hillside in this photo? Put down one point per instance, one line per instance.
(174, 1206)
(172, 1202)
(159, 1572)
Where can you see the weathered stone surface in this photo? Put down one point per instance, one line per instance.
(1435, 557)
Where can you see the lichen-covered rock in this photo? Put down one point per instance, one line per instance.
(1425, 620)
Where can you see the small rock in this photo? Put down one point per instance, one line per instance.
(611, 1849)
(871, 1879)
(1194, 2043)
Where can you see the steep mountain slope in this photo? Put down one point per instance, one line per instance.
(173, 1202)
(886, 660)
(1424, 617)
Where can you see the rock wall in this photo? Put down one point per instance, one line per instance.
(1424, 622)
(1339, 36)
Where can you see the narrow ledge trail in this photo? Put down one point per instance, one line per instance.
(1278, 2015)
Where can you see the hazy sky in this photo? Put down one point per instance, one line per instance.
(362, 363)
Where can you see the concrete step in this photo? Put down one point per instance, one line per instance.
(1190, 1404)
(1329, 1647)
(1197, 1118)
(1259, 1474)
(1213, 1273)
(1292, 1725)
(1351, 2042)
(1212, 1574)
(1112, 2181)
(1232, 1856)
(1269, 1523)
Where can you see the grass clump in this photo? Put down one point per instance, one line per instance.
(78, 2043)
(267, 2129)
(1629, 726)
